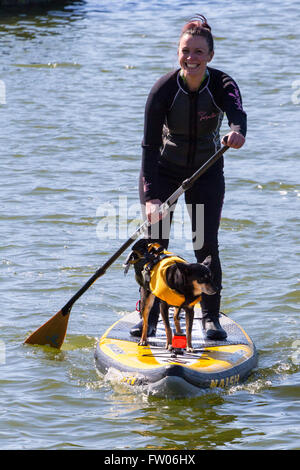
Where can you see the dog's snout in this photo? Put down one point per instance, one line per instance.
(208, 290)
(208, 287)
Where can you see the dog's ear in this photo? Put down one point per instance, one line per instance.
(181, 266)
(207, 261)
(141, 246)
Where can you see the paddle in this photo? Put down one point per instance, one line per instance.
(53, 332)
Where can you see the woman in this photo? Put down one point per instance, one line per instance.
(183, 116)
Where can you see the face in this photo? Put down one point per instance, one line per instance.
(193, 56)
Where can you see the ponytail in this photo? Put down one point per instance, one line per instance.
(198, 26)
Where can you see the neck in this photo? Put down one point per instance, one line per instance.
(193, 83)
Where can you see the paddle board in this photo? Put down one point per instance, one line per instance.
(157, 371)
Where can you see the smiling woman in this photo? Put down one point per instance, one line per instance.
(195, 50)
(193, 56)
(183, 117)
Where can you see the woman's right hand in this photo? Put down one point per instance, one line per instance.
(152, 211)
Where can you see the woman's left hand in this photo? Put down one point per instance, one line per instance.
(235, 140)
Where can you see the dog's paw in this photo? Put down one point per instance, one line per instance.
(190, 349)
(143, 343)
(169, 347)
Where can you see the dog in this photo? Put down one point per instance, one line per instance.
(175, 282)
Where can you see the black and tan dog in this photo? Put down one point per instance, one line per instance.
(175, 282)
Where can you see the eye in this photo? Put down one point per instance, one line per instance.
(204, 280)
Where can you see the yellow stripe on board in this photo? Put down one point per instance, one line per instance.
(128, 353)
(213, 359)
(210, 360)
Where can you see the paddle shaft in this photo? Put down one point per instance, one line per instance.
(188, 183)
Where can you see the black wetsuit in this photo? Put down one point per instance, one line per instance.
(181, 133)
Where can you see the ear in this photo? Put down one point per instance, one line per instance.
(211, 56)
(141, 246)
(181, 266)
(207, 261)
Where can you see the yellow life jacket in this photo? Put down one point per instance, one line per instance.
(159, 286)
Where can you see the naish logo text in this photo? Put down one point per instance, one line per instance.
(232, 380)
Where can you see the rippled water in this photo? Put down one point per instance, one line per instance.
(73, 87)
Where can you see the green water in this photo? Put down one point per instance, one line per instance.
(73, 87)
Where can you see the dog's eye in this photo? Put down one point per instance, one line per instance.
(203, 281)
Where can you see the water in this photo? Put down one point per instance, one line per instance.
(73, 87)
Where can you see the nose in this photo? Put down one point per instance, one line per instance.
(190, 56)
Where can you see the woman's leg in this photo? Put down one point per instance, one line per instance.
(208, 192)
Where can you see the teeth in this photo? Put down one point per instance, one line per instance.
(192, 66)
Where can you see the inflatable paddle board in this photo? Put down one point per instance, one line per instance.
(160, 372)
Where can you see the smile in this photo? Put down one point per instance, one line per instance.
(192, 66)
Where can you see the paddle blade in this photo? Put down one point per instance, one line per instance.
(53, 332)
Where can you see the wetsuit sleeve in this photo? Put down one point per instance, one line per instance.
(228, 97)
(152, 141)
(233, 107)
(158, 103)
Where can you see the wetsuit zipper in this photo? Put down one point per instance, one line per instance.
(193, 98)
